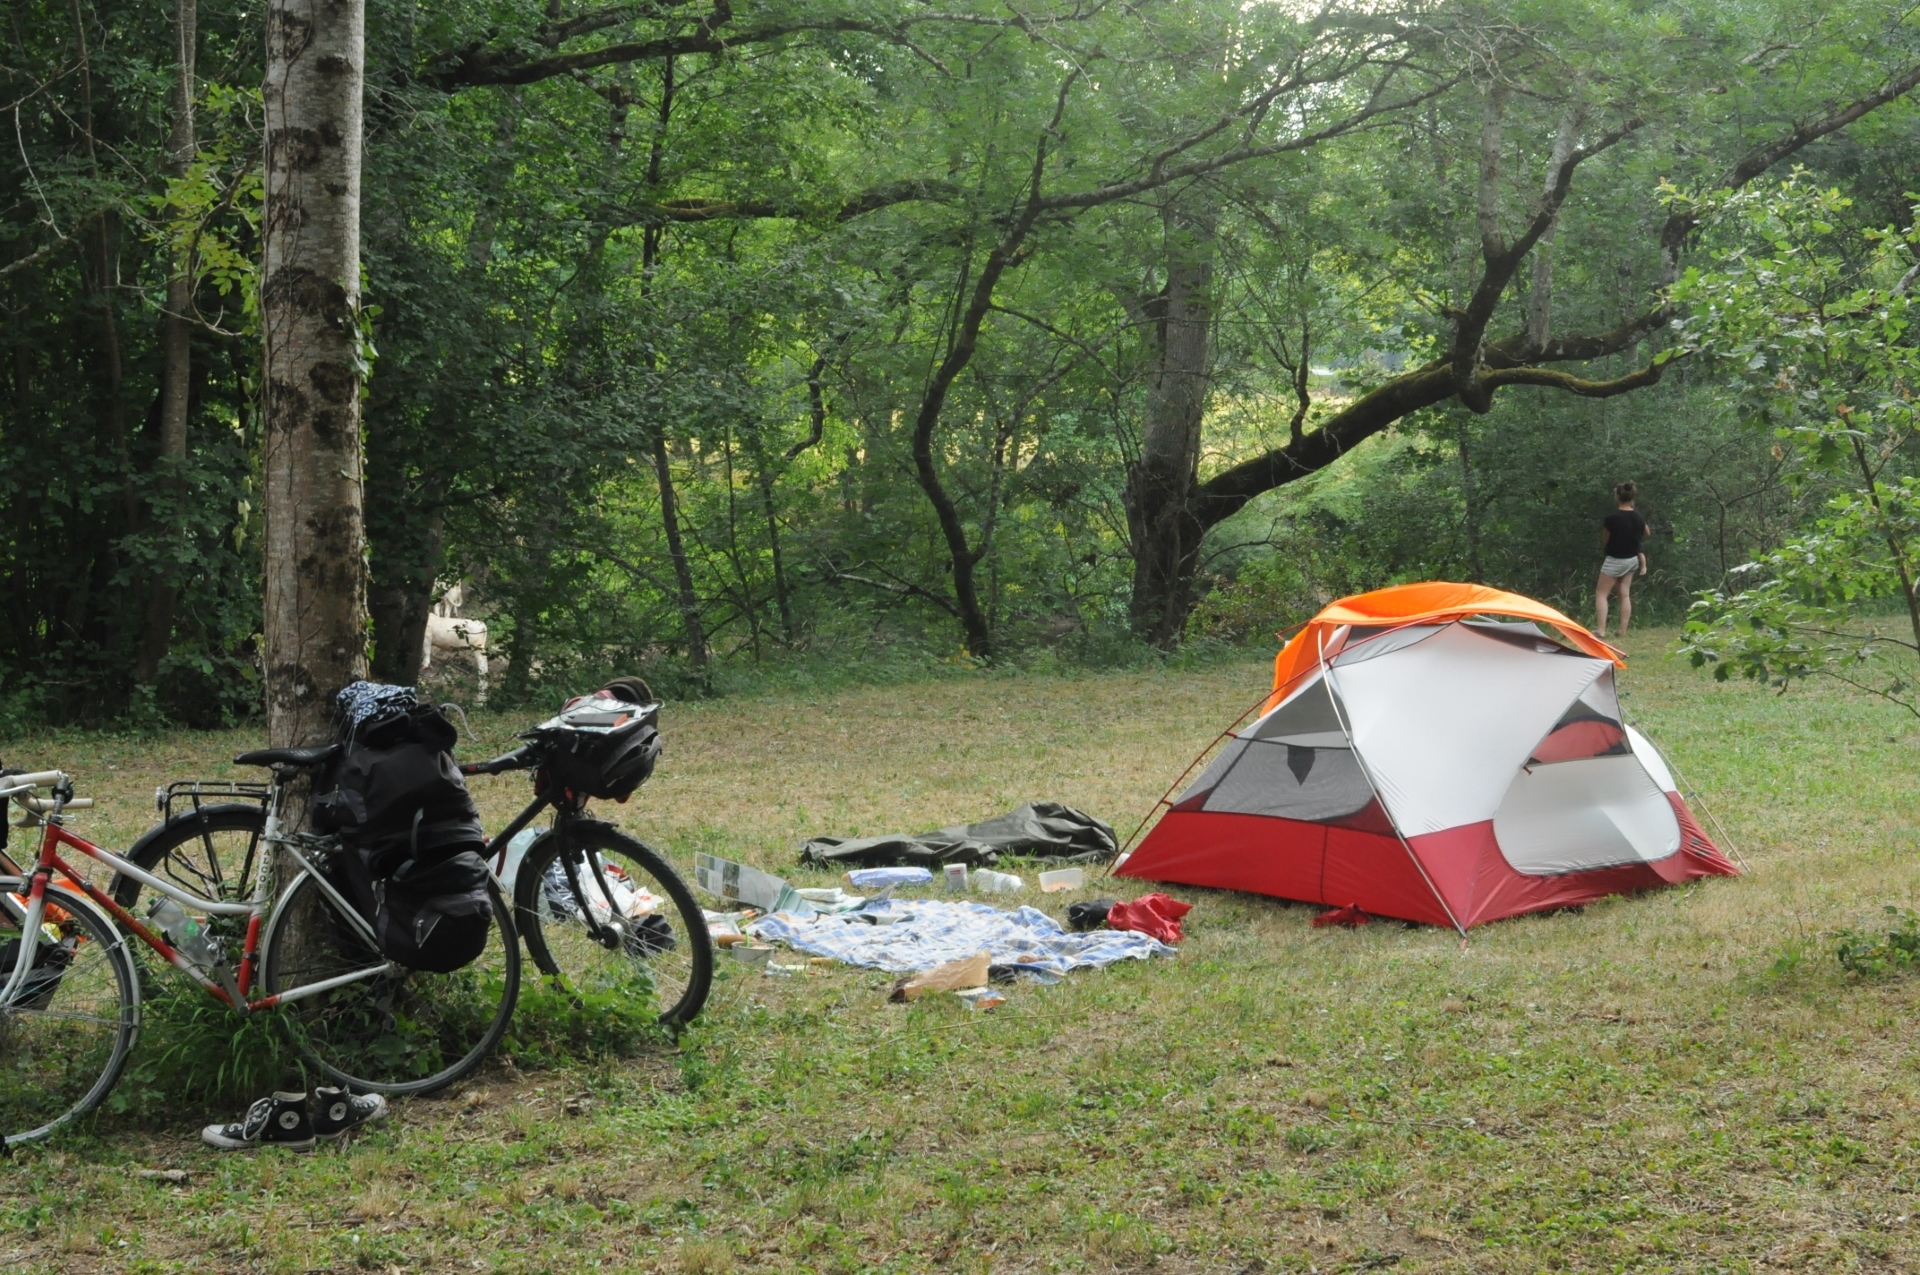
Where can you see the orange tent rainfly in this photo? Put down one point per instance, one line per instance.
(1429, 752)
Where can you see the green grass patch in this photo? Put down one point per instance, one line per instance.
(1685, 1080)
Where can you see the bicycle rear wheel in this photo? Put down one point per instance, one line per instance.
(210, 852)
(648, 937)
(400, 1031)
(65, 1036)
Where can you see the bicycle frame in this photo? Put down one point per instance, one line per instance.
(256, 910)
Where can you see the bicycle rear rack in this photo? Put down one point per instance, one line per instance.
(198, 791)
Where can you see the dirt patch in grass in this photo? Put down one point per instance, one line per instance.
(1678, 1081)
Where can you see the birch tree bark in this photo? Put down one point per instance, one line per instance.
(315, 595)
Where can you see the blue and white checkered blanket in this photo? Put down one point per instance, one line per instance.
(932, 933)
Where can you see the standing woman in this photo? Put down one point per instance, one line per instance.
(1624, 531)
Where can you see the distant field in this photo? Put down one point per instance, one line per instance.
(1681, 1081)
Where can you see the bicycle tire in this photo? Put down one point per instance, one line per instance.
(210, 852)
(675, 966)
(410, 1033)
(52, 1071)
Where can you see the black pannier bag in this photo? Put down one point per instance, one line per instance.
(50, 961)
(436, 916)
(604, 744)
(409, 831)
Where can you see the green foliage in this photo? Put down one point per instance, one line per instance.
(1871, 952)
(723, 278)
(1813, 328)
(195, 1052)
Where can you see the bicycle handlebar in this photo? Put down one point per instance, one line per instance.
(41, 806)
(519, 759)
(37, 779)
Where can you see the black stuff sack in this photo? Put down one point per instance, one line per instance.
(394, 791)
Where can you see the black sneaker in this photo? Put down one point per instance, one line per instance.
(279, 1121)
(337, 1112)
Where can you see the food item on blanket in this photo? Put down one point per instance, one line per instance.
(970, 971)
(982, 997)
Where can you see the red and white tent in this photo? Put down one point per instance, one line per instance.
(1429, 752)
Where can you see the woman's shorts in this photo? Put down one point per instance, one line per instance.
(1617, 567)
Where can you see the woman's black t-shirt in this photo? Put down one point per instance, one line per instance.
(1625, 529)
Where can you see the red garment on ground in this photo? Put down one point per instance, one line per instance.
(1349, 916)
(1153, 914)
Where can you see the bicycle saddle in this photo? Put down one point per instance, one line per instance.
(301, 757)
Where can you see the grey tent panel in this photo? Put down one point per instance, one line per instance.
(1308, 712)
(1287, 781)
(1218, 767)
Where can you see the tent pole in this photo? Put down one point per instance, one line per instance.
(1690, 793)
(1127, 846)
(1326, 677)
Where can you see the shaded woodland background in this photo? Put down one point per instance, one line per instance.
(704, 341)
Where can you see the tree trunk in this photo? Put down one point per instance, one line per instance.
(1166, 533)
(315, 598)
(176, 345)
(1468, 499)
(400, 595)
(763, 469)
(689, 601)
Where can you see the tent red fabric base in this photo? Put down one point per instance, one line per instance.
(1466, 880)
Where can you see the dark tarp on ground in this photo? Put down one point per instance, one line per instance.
(1038, 830)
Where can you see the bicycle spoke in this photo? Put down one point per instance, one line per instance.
(65, 1037)
(609, 917)
(409, 1032)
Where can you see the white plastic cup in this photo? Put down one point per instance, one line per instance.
(956, 878)
(1063, 879)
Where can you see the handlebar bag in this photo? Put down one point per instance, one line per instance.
(600, 746)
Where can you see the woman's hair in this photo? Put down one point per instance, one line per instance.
(1625, 492)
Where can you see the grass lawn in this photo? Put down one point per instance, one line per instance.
(1678, 1081)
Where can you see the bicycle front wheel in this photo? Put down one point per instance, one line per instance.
(607, 914)
(65, 1035)
(399, 1031)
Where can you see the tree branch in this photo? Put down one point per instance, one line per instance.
(478, 64)
(831, 574)
(1681, 225)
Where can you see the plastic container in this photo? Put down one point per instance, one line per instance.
(187, 934)
(988, 882)
(1063, 879)
(516, 851)
(956, 874)
(751, 954)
